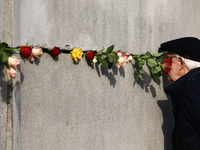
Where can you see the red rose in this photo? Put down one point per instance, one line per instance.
(26, 51)
(167, 65)
(168, 60)
(55, 51)
(90, 55)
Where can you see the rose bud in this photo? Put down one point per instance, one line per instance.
(26, 51)
(90, 55)
(12, 72)
(95, 60)
(13, 62)
(120, 53)
(37, 52)
(31, 58)
(130, 59)
(55, 51)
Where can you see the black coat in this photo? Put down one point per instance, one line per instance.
(185, 95)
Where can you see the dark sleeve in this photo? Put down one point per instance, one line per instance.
(192, 121)
(193, 109)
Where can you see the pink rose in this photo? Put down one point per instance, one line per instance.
(12, 72)
(123, 59)
(13, 62)
(121, 62)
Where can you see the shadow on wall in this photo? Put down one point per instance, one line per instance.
(144, 80)
(3, 84)
(168, 122)
(168, 119)
(109, 73)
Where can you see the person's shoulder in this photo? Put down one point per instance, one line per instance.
(193, 86)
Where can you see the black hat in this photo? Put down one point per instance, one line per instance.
(187, 47)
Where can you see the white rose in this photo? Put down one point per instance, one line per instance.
(37, 52)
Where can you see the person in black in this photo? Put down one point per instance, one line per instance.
(184, 91)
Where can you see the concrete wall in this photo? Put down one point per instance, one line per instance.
(67, 106)
(3, 89)
(10, 91)
(5, 115)
(77, 107)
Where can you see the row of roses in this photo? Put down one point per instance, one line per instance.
(155, 62)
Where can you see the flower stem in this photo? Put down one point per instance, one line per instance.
(12, 49)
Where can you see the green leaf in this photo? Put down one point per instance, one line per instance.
(104, 55)
(4, 57)
(110, 59)
(137, 76)
(158, 54)
(134, 56)
(141, 62)
(9, 53)
(0, 56)
(151, 62)
(158, 68)
(141, 70)
(140, 55)
(4, 45)
(112, 56)
(158, 74)
(103, 61)
(99, 58)
(147, 55)
(101, 51)
(4, 53)
(110, 49)
(155, 70)
(160, 59)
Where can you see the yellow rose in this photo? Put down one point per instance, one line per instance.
(77, 53)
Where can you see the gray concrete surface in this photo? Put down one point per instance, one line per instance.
(60, 105)
(3, 109)
(3, 89)
(10, 92)
(5, 115)
(72, 107)
(1, 18)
